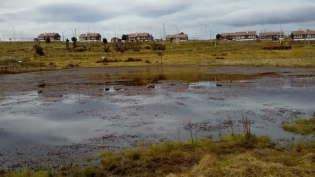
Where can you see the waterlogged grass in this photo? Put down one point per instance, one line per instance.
(233, 155)
(28, 173)
(301, 126)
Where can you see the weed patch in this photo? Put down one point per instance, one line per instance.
(301, 126)
(133, 59)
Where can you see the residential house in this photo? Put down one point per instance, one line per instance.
(140, 37)
(239, 36)
(90, 37)
(52, 36)
(115, 39)
(228, 36)
(177, 37)
(271, 35)
(303, 35)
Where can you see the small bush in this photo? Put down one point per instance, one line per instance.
(133, 59)
(106, 48)
(123, 47)
(147, 61)
(155, 46)
(38, 49)
(71, 65)
(108, 60)
(147, 47)
(79, 49)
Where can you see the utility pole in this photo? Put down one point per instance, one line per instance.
(205, 32)
(308, 38)
(163, 32)
(210, 38)
(305, 38)
(63, 37)
(14, 33)
(176, 35)
(21, 35)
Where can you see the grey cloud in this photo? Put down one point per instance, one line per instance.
(158, 11)
(63, 12)
(2, 19)
(56, 139)
(251, 17)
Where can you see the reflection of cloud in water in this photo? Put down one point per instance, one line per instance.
(56, 139)
(4, 134)
(75, 117)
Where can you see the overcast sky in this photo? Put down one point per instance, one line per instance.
(29, 18)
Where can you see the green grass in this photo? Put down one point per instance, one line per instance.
(27, 173)
(301, 126)
(217, 53)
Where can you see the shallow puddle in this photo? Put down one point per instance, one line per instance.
(110, 117)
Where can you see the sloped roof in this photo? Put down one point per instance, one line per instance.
(176, 36)
(48, 34)
(89, 35)
(139, 35)
(240, 33)
(271, 33)
(303, 32)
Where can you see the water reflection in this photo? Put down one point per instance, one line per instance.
(154, 75)
(29, 119)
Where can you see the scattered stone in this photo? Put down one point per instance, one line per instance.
(151, 86)
(39, 91)
(171, 175)
(117, 89)
(41, 83)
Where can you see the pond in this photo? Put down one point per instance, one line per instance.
(91, 110)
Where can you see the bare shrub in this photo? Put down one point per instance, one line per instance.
(155, 46)
(133, 59)
(106, 48)
(38, 49)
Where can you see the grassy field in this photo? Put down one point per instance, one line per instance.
(215, 53)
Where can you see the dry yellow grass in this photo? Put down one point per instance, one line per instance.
(228, 53)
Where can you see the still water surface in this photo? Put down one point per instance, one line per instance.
(206, 100)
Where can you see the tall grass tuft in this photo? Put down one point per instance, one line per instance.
(301, 126)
